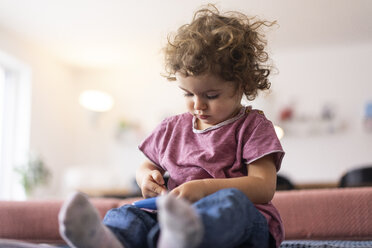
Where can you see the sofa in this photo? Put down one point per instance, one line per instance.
(340, 217)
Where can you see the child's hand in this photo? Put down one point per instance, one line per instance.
(191, 191)
(152, 184)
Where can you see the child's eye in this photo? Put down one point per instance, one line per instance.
(212, 96)
(188, 94)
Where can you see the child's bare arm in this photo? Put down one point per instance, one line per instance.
(150, 179)
(259, 186)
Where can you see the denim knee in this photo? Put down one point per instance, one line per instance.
(123, 217)
(232, 193)
(227, 197)
(131, 225)
(113, 215)
(229, 219)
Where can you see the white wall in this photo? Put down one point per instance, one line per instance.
(53, 108)
(312, 77)
(142, 98)
(63, 133)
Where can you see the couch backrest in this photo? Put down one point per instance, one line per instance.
(328, 214)
(332, 214)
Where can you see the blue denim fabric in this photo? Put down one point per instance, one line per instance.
(229, 218)
(133, 226)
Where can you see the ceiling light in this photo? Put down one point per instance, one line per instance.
(96, 101)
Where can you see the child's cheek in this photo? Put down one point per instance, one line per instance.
(190, 105)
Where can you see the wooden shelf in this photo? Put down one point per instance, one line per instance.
(316, 185)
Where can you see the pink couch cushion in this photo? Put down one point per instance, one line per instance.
(338, 214)
(327, 214)
(37, 221)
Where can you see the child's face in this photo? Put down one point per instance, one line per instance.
(209, 98)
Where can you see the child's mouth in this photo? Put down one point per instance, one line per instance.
(203, 117)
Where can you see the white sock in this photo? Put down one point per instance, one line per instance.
(80, 225)
(180, 227)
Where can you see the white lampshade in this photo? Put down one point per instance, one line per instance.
(96, 101)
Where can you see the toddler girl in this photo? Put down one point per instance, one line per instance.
(221, 157)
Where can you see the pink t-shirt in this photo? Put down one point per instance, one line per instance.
(220, 151)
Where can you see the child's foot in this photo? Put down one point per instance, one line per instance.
(179, 224)
(80, 225)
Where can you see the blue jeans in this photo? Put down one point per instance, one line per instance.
(230, 220)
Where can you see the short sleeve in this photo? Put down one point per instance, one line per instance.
(152, 145)
(263, 141)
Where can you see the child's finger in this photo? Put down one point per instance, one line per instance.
(156, 175)
(175, 192)
(154, 189)
(149, 194)
(164, 190)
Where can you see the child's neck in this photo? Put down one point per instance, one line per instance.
(201, 126)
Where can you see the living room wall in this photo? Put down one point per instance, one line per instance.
(53, 105)
(308, 78)
(86, 153)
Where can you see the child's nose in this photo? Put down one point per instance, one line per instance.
(199, 104)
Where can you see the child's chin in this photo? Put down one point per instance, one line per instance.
(208, 123)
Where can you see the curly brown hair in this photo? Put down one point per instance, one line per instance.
(229, 45)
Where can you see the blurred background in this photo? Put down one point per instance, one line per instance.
(81, 86)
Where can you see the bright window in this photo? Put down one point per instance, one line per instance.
(15, 96)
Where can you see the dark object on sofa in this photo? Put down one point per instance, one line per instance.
(360, 177)
(283, 183)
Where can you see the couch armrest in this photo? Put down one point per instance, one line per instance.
(338, 214)
(37, 221)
